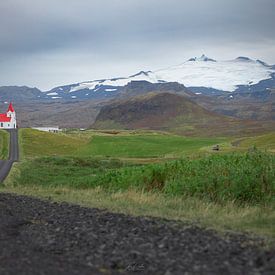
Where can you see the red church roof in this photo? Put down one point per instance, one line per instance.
(4, 118)
(10, 108)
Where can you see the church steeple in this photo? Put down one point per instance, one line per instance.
(10, 109)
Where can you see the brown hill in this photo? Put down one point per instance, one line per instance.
(174, 113)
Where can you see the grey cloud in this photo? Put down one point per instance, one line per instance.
(135, 32)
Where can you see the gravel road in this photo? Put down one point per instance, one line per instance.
(5, 165)
(42, 237)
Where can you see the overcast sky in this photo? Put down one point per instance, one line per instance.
(47, 43)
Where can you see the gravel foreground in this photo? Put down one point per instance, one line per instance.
(42, 237)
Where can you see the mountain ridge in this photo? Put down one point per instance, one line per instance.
(196, 72)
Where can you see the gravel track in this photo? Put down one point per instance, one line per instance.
(5, 165)
(43, 237)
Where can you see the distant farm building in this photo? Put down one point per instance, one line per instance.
(8, 119)
(48, 129)
(216, 147)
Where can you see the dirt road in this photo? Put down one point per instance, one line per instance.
(42, 237)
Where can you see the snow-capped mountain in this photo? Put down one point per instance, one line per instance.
(219, 75)
(198, 72)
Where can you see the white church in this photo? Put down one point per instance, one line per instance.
(8, 119)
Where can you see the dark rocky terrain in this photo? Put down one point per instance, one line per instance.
(41, 237)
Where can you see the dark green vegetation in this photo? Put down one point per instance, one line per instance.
(4, 144)
(244, 178)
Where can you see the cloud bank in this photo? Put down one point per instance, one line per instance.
(49, 43)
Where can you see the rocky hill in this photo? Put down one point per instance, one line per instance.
(172, 112)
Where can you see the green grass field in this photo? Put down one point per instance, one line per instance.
(119, 170)
(34, 143)
(124, 145)
(144, 146)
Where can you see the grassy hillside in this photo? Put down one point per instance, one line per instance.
(4, 144)
(34, 143)
(264, 142)
(163, 111)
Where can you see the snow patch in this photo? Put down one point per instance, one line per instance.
(85, 85)
(110, 90)
(54, 93)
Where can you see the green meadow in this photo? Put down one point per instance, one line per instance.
(123, 145)
(153, 173)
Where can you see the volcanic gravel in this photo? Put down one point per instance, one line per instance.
(43, 237)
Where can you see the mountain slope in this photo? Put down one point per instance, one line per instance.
(19, 94)
(219, 75)
(171, 112)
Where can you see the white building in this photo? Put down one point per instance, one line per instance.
(8, 119)
(47, 129)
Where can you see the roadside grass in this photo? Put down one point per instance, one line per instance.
(4, 144)
(239, 177)
(256, 220)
